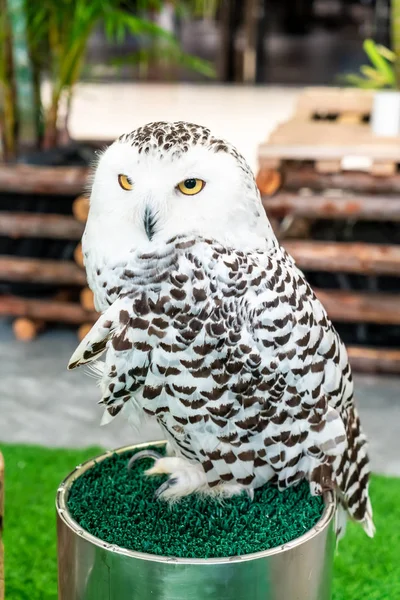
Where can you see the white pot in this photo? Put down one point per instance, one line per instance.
(385, 118)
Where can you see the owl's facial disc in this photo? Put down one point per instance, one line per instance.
(145, 193)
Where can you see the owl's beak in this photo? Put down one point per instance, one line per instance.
(149, 221)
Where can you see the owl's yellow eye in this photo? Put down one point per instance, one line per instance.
(125, 182)
(190, 187)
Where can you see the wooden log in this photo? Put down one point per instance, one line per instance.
(78, 256)
(374, 360)
(269, 181)
(25, 179)
(348, 307)
(1, 526)
(87, 299)
(304, 175)
(327, 206)
(26, 329)
(36, 270)
(84, 330)
(80, 208)
(16, 225)
(368, 259)
(46, 310)
(292, 227)
(327, 140)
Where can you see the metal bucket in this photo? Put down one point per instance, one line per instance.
(90, 569)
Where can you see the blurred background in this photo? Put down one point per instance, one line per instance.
(309, 92)
(74, 75)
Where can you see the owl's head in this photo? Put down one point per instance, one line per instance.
(167, 179)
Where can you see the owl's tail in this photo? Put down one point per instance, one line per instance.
(352, 475)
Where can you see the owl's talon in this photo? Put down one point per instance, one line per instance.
(143, 454)
(250, 493)
(164, 487)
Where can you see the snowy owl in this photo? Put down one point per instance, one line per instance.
(209, 327)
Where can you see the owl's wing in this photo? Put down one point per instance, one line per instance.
(313, 382)
(302, 358)
(95, 342)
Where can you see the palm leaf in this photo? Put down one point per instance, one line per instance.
(59, 31)
(374, 76)
(386, 53)
(359, 82)
(379, 62)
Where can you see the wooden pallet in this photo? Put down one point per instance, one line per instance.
(335, 104)
(325, 163)
(330, 129)
(32, 315)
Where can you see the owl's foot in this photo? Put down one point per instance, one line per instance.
(185, 477)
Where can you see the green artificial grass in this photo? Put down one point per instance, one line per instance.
(118, 506)
(364, 569)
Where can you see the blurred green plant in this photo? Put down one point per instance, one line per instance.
(384, 70)
(395, 35)
(57, 34)
(380, 74)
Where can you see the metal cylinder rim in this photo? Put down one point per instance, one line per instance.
(65, 516)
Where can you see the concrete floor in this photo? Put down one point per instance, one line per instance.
(42, 403)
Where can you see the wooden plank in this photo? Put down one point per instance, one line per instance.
(328, 166)
(271, 163)
(348, 257)
(329, 206)
(36, 270)
(374, 360)
(348, 307)
(314, 150)
(324, 100)
(325, 140)
(20, 224)
(304, 175)
(46, 310)
(350, 117)
(25, 179)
